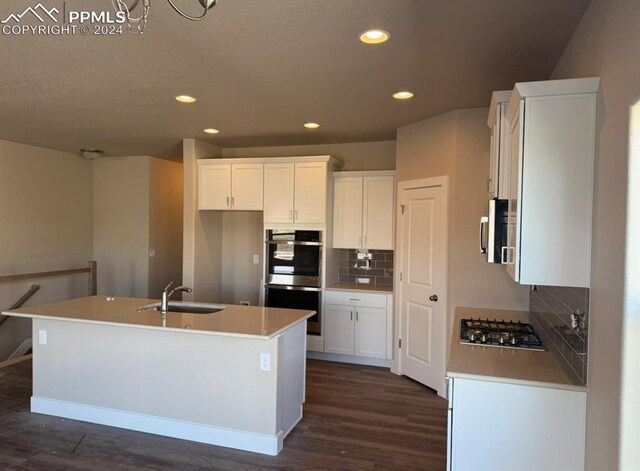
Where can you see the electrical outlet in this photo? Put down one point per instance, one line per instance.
(256, 259)
(363, 281)
(265, 362)
(152, 253)
(42, 337)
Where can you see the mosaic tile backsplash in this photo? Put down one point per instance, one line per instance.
(379, 271)
(551, 308)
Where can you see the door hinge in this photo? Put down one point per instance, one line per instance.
(399, 343)
(402, 209)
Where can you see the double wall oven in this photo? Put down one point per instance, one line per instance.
(293, 277)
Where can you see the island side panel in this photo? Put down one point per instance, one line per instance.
(292, 366)
(188, 377)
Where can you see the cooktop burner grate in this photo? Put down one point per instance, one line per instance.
(494, 333)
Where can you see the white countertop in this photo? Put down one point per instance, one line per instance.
(386, 289)
(236, 321)
(505, 365)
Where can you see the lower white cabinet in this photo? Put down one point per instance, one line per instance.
(357, 323)
(501, 426)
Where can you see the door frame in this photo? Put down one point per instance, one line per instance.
(396, 364)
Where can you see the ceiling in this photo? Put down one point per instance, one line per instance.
(262, 68)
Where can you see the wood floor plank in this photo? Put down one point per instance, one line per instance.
(356, 418)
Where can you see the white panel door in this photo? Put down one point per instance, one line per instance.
(347, 213)
(371, 332)
(247, 185)
(339, 329)
(214, 186)
(278, 192)
(423, 272)
(310, 193)
(377, 222)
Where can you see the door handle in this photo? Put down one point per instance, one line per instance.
(483, 221)
(434, 298)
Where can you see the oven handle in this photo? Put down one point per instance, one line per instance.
(292, 288)
(293, 242)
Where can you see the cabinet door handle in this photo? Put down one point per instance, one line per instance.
(489, 185)
(354, 299)
(295, 214)
(512, 257)
(228, 206)
(364, 243)
(290, 215)
(357, 317)
(233, 201)
(351, 317)
(359, 241)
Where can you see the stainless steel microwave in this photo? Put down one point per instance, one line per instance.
(493, 231)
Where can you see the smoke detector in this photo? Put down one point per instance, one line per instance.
(91, 153)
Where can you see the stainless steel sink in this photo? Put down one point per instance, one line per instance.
(186, 308)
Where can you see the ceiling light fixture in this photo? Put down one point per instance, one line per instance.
(186, 99)
(137, 24)
(311, 125)
(91, 154)
(374, 36)
(211, 131)
(404, 95)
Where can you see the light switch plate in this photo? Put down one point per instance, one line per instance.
(256, 259)
(265, 362)
(42, 337)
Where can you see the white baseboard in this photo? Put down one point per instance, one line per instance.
(349, 359)
(22, 349)
(257, 443)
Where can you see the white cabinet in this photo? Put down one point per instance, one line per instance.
(230, 186)
(498, 182)
(358, 323)
(295, 192)
(363, 209)
(500, 426)
(551, 152)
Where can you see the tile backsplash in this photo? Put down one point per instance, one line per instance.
(551, 308)
(379, 272)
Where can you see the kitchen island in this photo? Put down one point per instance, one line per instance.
(234, 378)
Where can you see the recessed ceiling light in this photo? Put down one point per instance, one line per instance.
(374, 36)
(211, 131)
(185, 99)
(404, 95)
(311, 125)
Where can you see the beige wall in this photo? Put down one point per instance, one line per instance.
(45, 224)
(120, 225)
(202, 237)
(242, 238)
(165, 224)
(606, 44)
(356, 156)
(457, 144)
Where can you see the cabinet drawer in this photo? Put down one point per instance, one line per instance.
(356, 298)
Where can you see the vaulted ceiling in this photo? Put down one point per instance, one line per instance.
(262, 68)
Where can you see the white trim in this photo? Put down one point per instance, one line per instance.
(396, 364)
(353, 359)
(22, 349)
(364, 173)
(257, 443)
(332, 161)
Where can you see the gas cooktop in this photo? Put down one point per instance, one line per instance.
(494, 333)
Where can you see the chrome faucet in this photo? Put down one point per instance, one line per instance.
(167, 293)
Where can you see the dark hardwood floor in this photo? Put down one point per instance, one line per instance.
(355, 418)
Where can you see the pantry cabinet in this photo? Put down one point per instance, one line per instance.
(295, 192)
(363, 209)
(230, 186)
(498, 181)
(551, 153)
(358, 323)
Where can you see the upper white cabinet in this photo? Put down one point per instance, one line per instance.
(551, 152)
(363, 210)
(230, 186)
(498, 181)
(295, 192)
